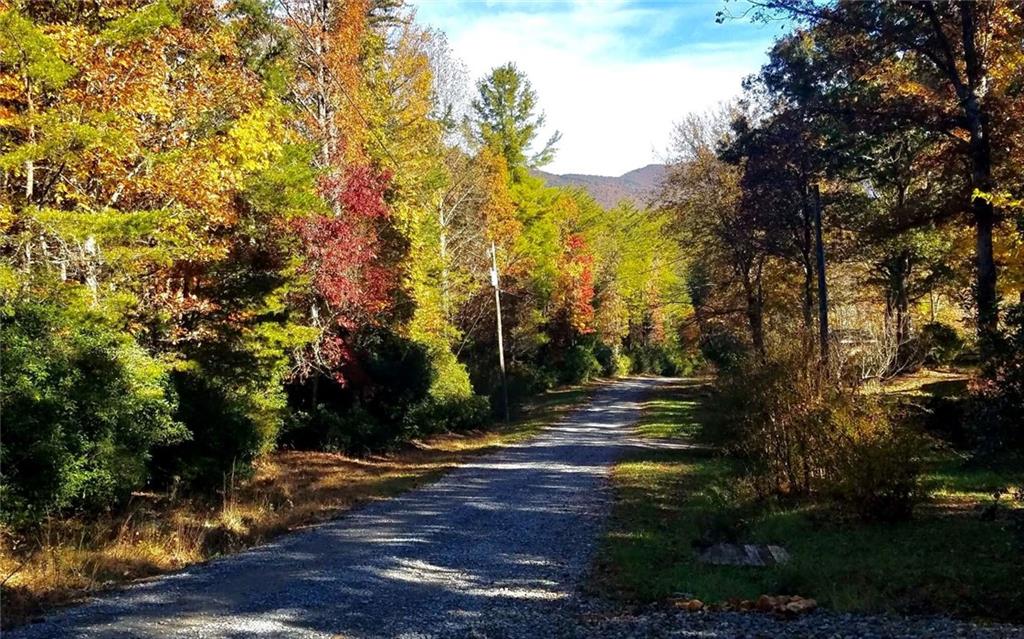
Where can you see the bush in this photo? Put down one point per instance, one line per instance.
(390, 379)
(223, 434)
(722, 348)
(622, 365)
(657, 359)
(879, 470)
(605, 355)
(996, 408)
(579, 366)
(523, 382)
(449, 379)
(774, 418)
(940, 344)
(613, 362)
(799, 438)
(451, 415)
(329, 429)
(82, 405)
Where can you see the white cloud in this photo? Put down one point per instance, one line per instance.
(613, 98)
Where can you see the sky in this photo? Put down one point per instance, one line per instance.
(611, 75)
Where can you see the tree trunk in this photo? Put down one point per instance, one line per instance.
(30, 168)
(822, 284)
(755, 311)
(981, 179)
(901, 299)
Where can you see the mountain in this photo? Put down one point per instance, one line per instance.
(638, 186)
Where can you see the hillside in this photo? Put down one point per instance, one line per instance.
(638, 185)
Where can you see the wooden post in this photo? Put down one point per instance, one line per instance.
(501, 346)
(822, 286)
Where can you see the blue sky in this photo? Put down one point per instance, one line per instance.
(613, 76)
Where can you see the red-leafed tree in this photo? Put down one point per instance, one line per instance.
(574, 294)
(353, 283)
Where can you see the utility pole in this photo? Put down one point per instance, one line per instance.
(822, 287)
(501, 346)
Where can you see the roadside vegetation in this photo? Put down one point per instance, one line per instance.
(846, 235)
(161, 532)
(246, 255)
(252, 250)
(956, 556)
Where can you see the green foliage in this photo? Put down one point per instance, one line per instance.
(449, 377)
(140, 24)
(723, 348)
(507, 118)
(579, 366)
(658, 359)
(622, 365)
(399, 394)
(29, 51)
(940, 343)
(524, 382)
(452, 415)
(613, 362)
(83, 405)
(995, 412)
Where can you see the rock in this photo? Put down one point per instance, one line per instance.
(726, 554)
(799, 606)
(689, 605)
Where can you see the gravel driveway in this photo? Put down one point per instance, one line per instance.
(504, 538)
(494, 550)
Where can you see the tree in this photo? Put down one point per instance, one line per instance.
(705, 193)
(928, 65)
(506, 117)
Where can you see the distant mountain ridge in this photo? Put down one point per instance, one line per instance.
(638, 186)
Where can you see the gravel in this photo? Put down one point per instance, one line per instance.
(496, 549)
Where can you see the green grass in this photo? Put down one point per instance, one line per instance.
(676, 412)
(947, 560)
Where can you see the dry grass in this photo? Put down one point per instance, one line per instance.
(65, 560)
(922, 382)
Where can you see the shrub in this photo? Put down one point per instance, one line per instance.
(878, 471)
(996, 408)
(774, 418)
(613, 362)
(579, 366)
(605, 357)
(524, 381)
(449, 379)
(232, 400)
(223, 435)
(940, 343)
(389, 381)
(722, 348)
(657, 359)
(622, 365)
(799, 437)
(82, 405)
(451, 415)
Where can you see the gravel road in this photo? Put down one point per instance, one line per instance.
(501, 537)
(494, 550)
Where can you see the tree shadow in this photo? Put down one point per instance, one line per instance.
(503, 535)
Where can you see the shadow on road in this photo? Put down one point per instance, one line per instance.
(508, 534)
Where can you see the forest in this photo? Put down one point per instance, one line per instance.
(234, 228)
